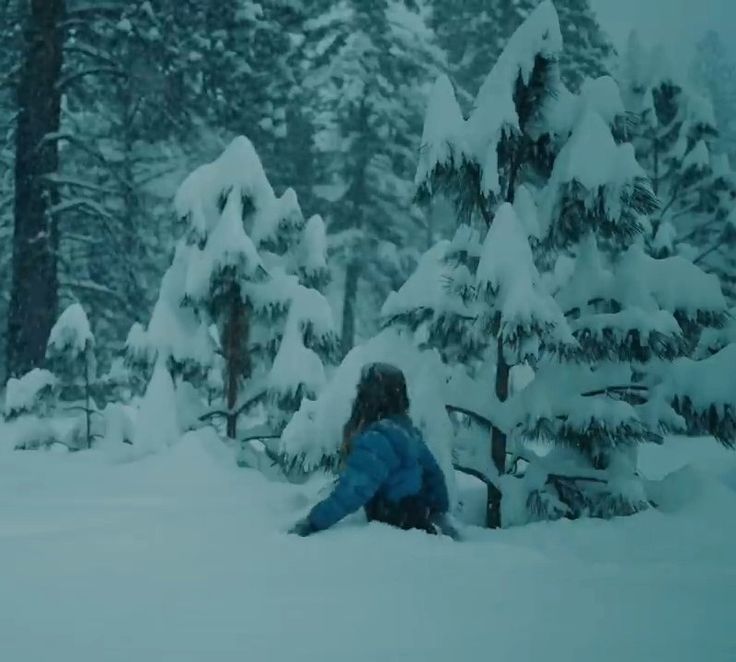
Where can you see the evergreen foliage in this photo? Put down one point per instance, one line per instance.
(232, 300)
(676, 139)
(561, 282)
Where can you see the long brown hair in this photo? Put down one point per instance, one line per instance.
(381, 393)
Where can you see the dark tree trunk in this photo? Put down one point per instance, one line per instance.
(352, 276)
(34, 292)
(498, 440)
(237, 365)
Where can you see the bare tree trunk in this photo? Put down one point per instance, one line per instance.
(236, 360)
(34, 291)
(350, 297)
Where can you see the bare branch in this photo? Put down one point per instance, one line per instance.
(66, 81)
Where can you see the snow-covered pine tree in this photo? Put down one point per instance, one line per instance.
(676, 139)
(481, 165)
(474, 32)
(368, 65)
(56, 405)
(71, 358)
(632, 315)
(232, 298)
(557, 161)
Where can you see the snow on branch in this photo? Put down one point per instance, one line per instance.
(704, 393)
(71, 335)
(24, 393)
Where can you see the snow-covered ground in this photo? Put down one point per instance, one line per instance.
(182, 556)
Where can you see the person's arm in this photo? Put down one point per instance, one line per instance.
(369, 463)
(434, 478)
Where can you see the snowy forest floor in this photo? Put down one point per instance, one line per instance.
(182, 556)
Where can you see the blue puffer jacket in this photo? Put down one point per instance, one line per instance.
(389, 460)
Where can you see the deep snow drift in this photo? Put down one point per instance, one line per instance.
(182, 556)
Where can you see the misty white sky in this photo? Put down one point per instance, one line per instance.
(677, 24)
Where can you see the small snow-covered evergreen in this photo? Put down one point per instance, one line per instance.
(238, 317)
(59, 404)
(70, 354)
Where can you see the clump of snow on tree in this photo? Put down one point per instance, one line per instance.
(23, 394)
(71, 334)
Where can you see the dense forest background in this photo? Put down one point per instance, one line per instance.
(105, 106)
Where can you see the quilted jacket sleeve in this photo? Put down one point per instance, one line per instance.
(370, 462)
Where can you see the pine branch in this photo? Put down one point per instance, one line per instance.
(84, 409)
(478, 418)
(698, 230)
(706, 253)
(615, 389)
(236, 411)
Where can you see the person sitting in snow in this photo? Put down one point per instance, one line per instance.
(388, 468)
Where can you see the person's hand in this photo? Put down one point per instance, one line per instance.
(302, 528)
